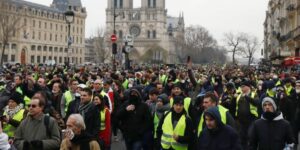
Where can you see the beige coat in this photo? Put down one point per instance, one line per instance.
(67, 145)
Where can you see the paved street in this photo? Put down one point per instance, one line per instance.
(120, 145)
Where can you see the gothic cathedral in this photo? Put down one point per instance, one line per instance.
(155, 33)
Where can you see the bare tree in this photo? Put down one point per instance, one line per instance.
(250, 45)
(9, 25)
(102, 55)
(233, 43)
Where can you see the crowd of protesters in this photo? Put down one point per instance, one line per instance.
(190, 107)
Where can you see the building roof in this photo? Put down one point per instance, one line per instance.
(75, 3)
(34, 5)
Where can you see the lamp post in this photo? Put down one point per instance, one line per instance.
(114, 47)
(69, 16)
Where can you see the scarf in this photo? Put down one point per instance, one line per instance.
(12, 112)
(83, 140)
(85, 108)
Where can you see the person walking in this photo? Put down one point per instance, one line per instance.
(37, 131)
(271, 131)
(75, 137)
(216, 135)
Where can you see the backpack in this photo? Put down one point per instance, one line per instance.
(46, 123)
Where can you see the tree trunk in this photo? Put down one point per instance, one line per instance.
(233, 57)
(3, 50)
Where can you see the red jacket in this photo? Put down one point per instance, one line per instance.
(105, 134)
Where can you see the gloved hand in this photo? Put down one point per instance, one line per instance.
(37, 144)
(26, 145)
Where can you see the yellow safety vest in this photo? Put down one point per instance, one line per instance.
(102, 116)
(26, 98)
(9, 129)
(125, 84)
(68, 98)
(288, 90)
(253, 109)
(186, 104)
(167, 140)
(270, 93)
(222, 111)
(155, 123)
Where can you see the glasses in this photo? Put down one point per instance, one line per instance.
(32, 106)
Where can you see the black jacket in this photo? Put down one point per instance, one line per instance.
(270, 135)
(134, 124)
(223, 137)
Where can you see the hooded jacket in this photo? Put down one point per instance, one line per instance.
(136, 123)
(271, 132)
(222, 137)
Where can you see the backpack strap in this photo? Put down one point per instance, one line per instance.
(46, 123)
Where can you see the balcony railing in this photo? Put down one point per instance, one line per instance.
(291, 7)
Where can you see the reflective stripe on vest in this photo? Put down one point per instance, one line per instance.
(253, 109)
(102, 116)
(222, 111)
(68, 98)
(155, 122)
(9, 129)
(167, 140)
(186, 103)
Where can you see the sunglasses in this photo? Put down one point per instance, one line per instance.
(32, 106)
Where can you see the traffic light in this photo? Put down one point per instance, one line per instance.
(114, 48)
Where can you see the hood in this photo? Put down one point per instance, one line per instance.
(214, 113)
(135, 100)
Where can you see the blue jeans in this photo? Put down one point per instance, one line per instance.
(133, 145)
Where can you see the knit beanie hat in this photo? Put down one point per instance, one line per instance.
(178, 100)
(268, 99)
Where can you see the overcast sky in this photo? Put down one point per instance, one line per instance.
(218, 16)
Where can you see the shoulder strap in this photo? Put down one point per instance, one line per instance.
(46, 123)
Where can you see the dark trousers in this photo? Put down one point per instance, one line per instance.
(133, 145)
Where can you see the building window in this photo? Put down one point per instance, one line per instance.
(13, 58)
(50, 37)
(55, 37)
(61, 49)
(32, 58)
(5, 58)
(61, 28)
(149, 34)
(66, 50)
(118, 3)
(45, 25)
(55, 58)
(154, 34)
(50, 26)
(25, 22)
(50, 58)
(44, 58)
(45, 36)
(55, 49)
(14, 46)
(151, 3)
(39, 48)
(60, 59)
(40, 24)
(56, 28)
(33, 23)
(40, 35)
(38, 59)
(50, 49)
(45, 48)
(33, 47)
(33, 35)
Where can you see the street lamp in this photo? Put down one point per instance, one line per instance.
(69, 16)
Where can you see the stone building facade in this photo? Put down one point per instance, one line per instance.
(282, 30)
(155, 33)
(43, 33)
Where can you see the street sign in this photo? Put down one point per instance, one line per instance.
(128, 39)
(113, 38)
